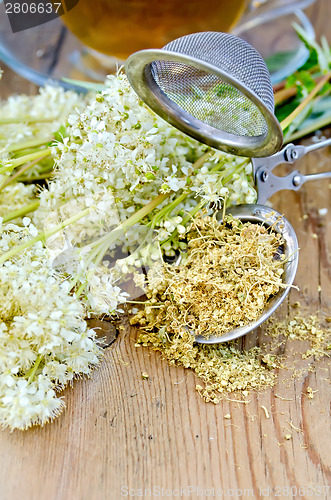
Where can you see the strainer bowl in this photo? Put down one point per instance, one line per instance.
(214, 87)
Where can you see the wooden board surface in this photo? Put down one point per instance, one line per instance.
(120, 432)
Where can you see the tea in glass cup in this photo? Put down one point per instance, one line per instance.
(118, 28)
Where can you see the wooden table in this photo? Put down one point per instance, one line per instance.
(120, 431)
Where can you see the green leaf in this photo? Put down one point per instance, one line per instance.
(318, 112)
(322, 54)
(277, 61)
(61, 133)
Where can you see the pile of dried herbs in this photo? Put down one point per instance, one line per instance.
(224, 281)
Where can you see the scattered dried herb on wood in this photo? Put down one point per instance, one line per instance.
(226, 368)
(308, 328)
(223, 368)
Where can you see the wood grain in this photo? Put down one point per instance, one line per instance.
(119, 430)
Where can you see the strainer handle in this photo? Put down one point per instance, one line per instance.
(291, 182)
(268, 184)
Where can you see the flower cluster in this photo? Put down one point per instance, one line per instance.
(25, 117)
(44, 339)
(117, 147)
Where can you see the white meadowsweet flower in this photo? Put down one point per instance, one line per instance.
(51, 103)
(44, 339)
(16, 195)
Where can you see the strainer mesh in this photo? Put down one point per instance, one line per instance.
(207, 97)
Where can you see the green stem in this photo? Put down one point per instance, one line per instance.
(136, 217)
(192, 212)
(31, 207)
(27, 119)
(289, 119)
(42, 236)
(100, 254)
(285, 93)
(316, 125)
(188, 217)
(28, 144)
(202, 159)
(19, 173)
(169, 208)
(94, 253)
(31, 373)
(104, 243)
(24, 159)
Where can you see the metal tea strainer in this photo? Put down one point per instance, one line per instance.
(213, 86)
(216, 88)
